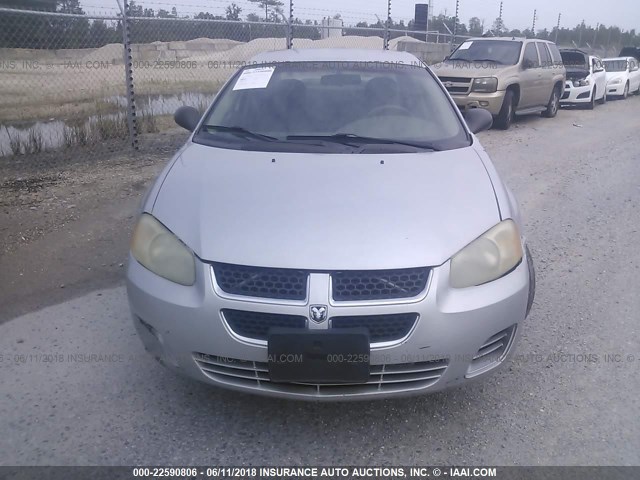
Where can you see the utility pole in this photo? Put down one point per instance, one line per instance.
(533, 27)
(427, 28)
(580, 33)
(387, 26)
(455, 22)
(595, 34)
(557, 28)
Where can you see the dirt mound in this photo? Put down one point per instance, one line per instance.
(108, 53)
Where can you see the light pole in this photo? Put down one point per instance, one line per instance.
(557, 28)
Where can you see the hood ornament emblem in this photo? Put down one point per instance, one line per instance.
(318, 313)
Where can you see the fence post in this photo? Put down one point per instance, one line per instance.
(290, 27)
(385, 44)
(128, 68)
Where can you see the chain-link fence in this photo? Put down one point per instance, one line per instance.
(77, 84)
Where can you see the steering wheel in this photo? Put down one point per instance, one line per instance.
(389, 109)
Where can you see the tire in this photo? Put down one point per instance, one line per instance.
(505, 118)
(532, 280)
(554, 104)
(603, 100)
(625, 94)
(592, 103)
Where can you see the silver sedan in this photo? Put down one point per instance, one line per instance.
(332, 229)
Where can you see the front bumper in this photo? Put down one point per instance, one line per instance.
(615, 89)
(488, 101)
(184, 329)
(573, 95)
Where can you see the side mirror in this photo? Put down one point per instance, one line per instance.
(447, 58)
(187, 117)
(478, 119)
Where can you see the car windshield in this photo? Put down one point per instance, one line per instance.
(333, 106)
(499, 51)
(615, 65)
(575, 60)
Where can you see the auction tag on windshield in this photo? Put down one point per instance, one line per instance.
(465, 46)
(254, 78)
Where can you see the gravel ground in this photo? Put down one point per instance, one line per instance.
(559, 402)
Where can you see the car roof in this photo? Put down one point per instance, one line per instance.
(618, 58)
(509, 39)
(335, 55)
(577, 50)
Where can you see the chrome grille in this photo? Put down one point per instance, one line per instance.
(492, 352)
(456, 85)
(257, 324)
(383, 379)
(378, 284)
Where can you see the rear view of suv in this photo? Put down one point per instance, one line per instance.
(506, 76)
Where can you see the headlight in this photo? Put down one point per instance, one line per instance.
(484, 84)
(615, 81)
(488, 257)
(159, 250)
(581, 83)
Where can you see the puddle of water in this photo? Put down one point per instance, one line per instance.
(52, 133)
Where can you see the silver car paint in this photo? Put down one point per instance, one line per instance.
(327, 212)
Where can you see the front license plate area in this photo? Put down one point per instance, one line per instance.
(319, 357)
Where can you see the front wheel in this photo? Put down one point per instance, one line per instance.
(553, 105)
(592, 103)
(603, 100)
(504, 119)
(625, 94)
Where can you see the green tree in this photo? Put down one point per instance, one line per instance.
(233, 12)
(475, 27)
(266, 4)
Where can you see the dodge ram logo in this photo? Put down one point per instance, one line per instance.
(318, 313)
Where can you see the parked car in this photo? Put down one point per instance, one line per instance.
(332, 229)
(630, 52)
(506, 76)
(586, 79)
(623, 76)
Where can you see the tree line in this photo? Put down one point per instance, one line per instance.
(19, 30)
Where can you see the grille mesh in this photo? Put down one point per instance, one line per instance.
(382, 328)
(379, 284)
(256, 325)
(281, 283)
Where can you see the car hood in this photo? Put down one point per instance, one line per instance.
(326, 211)
(577, 73)
(462, 69)
(614, 75)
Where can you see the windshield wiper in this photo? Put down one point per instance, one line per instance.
(351, 139)
(240, 131)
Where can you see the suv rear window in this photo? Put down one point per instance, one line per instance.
(531, 54)
(555, 54)
(545, 56)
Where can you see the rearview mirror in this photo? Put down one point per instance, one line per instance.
(478, 119)
(187, 117)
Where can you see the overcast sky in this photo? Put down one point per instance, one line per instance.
(516, 13)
